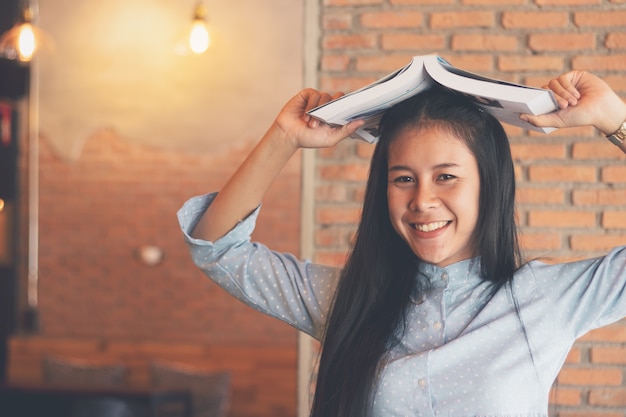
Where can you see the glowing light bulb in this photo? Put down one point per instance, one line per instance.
(25, 38)
(26, 42)
(199, 39)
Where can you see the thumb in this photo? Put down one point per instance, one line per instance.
(543, 120)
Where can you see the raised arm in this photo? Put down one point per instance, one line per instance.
(584, 100)
(292, 129)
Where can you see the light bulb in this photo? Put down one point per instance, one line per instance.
(199, 39)
(24, 39)
(26, 43)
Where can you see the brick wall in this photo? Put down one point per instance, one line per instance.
(572, 183)
(96, 211)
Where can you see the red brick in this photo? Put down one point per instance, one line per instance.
(599, 62)
(567, 2)
(599, 148)
(556, 218)
(480, 18)
(534, 151)
(530, 63)
(608, 397)
(600, 18)
(492, 2)
(392, 19)
(335, 63)
(352, 2)
(337, 21)
(381, 64)
(561, 41)
(480, 42)
(562, 173)
(616, 82)
(590, 376)
(600, 413)
(540, 241)
(536, 195)
(596, 243)
(337, 215)
(412, 41)
(613, 220)
(610, 197)
(615, 174)
(336, 192)
(338, 152)
(608, 355)
(333, 237)
(420, 2)
(357, 41)
(346, 172)
(534, 20)
(566, 396)
(615, 40)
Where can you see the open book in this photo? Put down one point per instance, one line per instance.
(504, 100)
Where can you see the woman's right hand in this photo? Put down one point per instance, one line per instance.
(302, 130)
(292, 129)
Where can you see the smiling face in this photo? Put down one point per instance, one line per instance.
(433, 194)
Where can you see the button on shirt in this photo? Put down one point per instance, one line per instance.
(460, 353)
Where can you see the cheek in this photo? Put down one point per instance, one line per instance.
(470, 204)
(394, 205)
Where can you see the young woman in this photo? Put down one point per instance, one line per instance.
(434, 312)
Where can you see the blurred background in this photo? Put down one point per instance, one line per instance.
(114, 123)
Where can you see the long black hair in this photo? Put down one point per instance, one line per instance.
(372, 296)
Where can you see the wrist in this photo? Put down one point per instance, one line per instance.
(615, 118)
(618, 137)
(278, 140)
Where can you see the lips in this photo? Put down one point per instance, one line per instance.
(430, 227)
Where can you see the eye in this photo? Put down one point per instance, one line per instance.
(446, 177)
(402, 179)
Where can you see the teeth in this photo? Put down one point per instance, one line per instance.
(430, 226)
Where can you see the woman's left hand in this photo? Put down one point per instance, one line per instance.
(584, 100)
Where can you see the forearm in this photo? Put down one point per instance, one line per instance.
(245, 189)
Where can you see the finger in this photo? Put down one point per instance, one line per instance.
(543, 120)
(316, 99)
(310, 98)
(566, 80)
(565, 92)
(342, 132)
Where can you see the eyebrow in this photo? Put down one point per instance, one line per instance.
(406, 168)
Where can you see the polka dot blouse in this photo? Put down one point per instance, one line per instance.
(459, 353)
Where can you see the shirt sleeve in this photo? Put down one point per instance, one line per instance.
(277, 284)
(586, 294)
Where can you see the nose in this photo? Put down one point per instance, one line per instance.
(424, 197)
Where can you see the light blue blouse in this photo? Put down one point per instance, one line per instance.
(458, 355)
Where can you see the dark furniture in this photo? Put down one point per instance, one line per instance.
(57, 400)
(210, 390)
